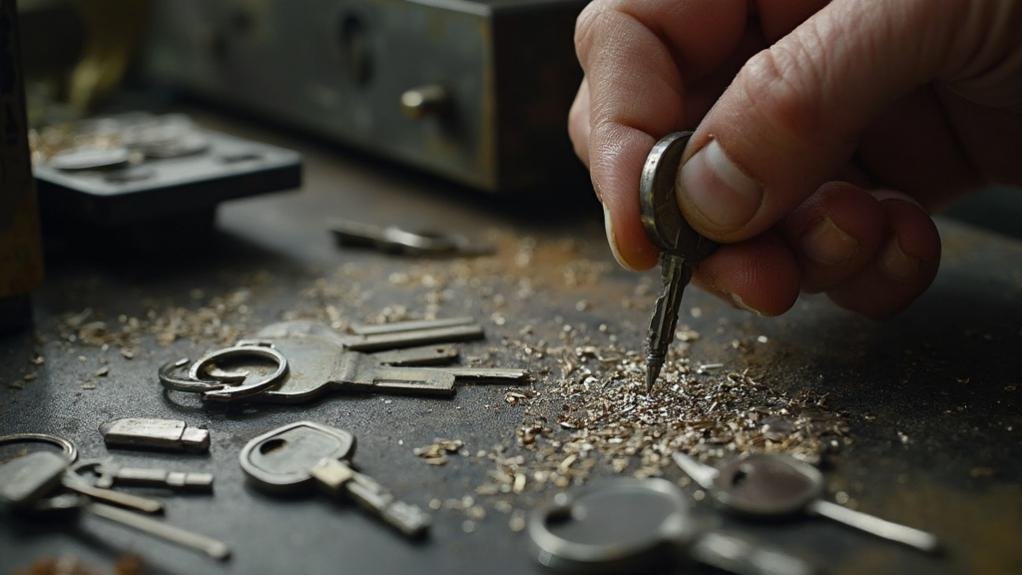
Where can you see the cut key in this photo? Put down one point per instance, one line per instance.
(299, 455)
(324, 363)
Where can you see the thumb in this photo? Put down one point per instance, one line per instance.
(792, 115)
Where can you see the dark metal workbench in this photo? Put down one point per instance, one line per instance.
(931, 397)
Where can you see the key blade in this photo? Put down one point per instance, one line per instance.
(134, 502)
(379, 342)
(489, 374)
(165, 531)
(701, 473)
(882, 528)
(415, 325)
(737, 555)
(337, 475)
(675, 275)
(417, 380)
(416, 356)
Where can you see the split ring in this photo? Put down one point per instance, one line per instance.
(67, 447)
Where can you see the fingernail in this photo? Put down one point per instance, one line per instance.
(713, 185)
(828, 244)
(898, 265)
(740, 303)
(608, 226)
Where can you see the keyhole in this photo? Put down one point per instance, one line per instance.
(741, 474)
(272, 445)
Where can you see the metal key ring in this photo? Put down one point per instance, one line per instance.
(246, 349)
(67, 447)
(189, 385)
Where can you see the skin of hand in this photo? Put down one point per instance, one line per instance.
(825, 133)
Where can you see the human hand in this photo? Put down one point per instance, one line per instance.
(824, 133)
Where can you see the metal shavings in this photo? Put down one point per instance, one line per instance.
(436, 452)
(514, 397)
(516, 522)
(220, 320)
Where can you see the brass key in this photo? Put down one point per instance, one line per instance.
(681, 247)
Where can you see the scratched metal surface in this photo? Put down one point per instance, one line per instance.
(932, 397)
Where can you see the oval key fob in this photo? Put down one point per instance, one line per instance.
(281, 459)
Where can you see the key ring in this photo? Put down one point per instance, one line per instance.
(245, 348)
(67, 447)
(188, 385)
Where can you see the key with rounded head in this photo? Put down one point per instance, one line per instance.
(681, 248)
(301, 455)
(628, 525)
(775, 485)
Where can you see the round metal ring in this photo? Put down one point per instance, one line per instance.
(189, 385)
(67, 447)
(244, 349)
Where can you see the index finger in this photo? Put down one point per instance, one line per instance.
(635, 53)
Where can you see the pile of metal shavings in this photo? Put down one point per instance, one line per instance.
(219, 320)
(596, 417)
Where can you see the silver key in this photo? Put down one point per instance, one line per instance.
(395, 240)
(27, 478)
(774, 485)
(628, 525)
(109, 474)
(28, 484)
(328, 363)
(168, 434)
(681, 247)
(299, 455)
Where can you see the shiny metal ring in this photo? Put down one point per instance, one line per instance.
(67, 447)
(245, 349)
(186, 384)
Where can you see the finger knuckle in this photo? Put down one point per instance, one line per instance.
(781, 85)
(585, 25)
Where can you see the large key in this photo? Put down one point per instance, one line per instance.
(324, 363)
(774, 485)
(28, 484)
(681, 247)
(214, 383)
(299, 455)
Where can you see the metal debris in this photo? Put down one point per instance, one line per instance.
(436, 452)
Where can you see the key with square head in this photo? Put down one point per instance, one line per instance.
(109, 474)
(324, 363)
(681, 247)
(30, 484)
(774, 485)
(301, 455)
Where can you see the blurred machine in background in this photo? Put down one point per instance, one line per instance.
(476, 91)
